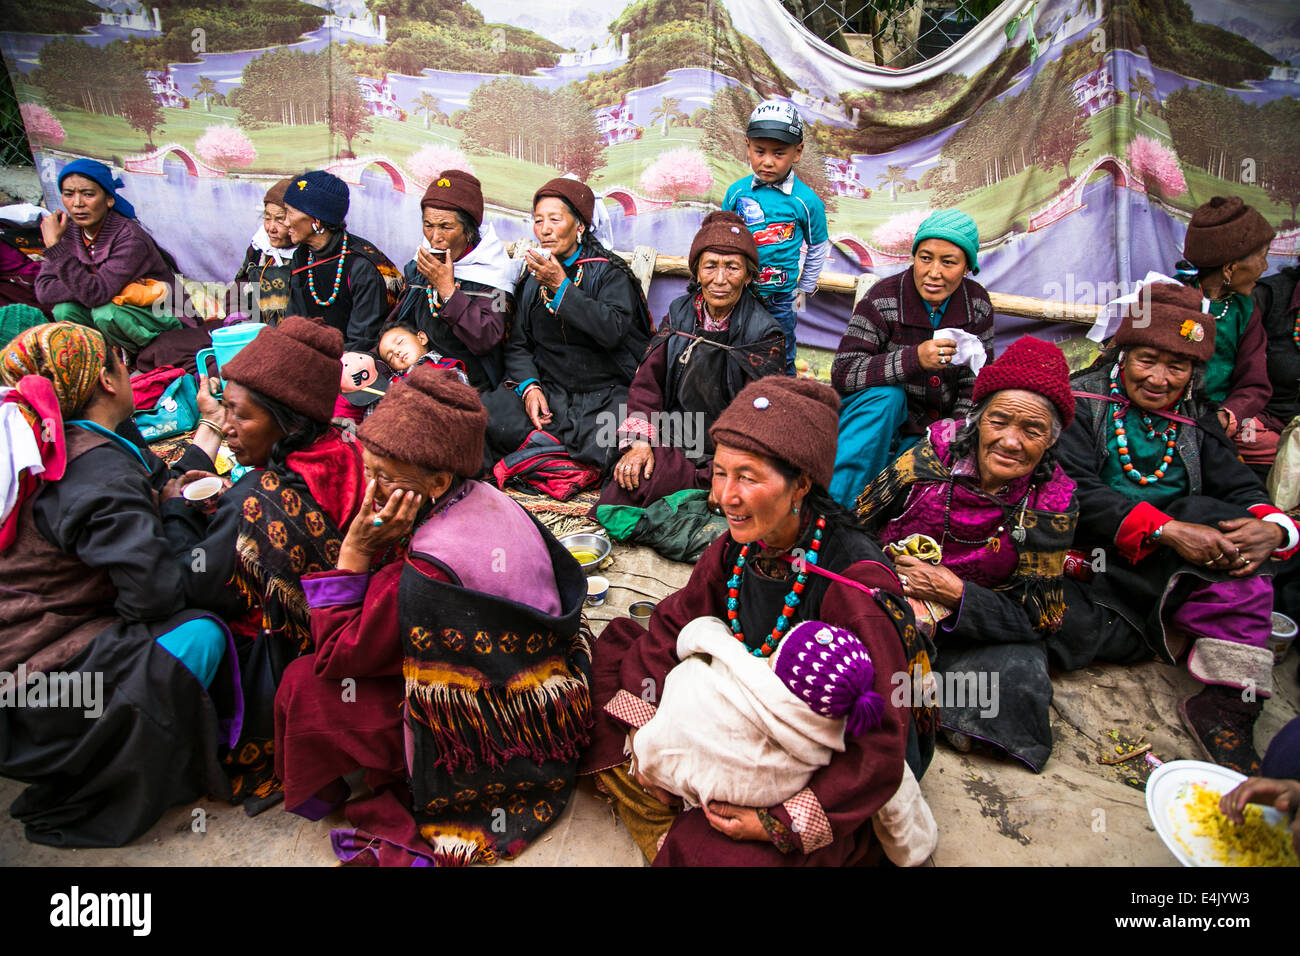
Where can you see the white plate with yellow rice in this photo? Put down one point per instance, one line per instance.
(1183, 802)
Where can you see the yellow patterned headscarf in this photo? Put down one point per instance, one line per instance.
(68, 354)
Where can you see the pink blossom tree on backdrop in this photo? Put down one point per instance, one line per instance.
(676, 173)
(427, 163)
(1157, 166)
(225, 147)
(896, 235)
(43, 127)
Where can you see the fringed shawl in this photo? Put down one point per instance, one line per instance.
(498, 709)
(1048, 531)
(293, 524)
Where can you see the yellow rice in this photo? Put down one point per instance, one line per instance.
(1252, 843)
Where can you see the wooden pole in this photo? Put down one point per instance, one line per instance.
(1043, 310)
(1022, 306)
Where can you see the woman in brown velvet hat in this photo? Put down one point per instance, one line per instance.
(266, 263)
(460, 286)
(579, 331)
(459, 617)
(1186, 529)
(790, 555)
(716, 339)
(284, 517)
(1227, 242)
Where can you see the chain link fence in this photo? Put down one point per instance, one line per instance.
(14, 150)
(891, 33)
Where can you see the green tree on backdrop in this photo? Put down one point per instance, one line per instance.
(206, 89)
(427, 104)
(286, 87)
(508, 115)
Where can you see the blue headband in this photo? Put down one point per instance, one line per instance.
(103, 177)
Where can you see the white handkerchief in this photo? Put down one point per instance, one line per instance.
(970, 350)
(1112, 313)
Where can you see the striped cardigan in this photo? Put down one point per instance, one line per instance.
(880, 346)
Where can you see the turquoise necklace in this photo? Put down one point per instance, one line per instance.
(1170, 435)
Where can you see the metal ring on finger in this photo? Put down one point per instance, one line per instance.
(378, 522)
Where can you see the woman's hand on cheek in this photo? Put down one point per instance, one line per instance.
(372, 531)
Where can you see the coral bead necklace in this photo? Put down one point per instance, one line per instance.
(791, 600)
(338, 274)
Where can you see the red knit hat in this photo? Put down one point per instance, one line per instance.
(576, 194)
(795, 420)
(432, 420)
(297, 363)
(1168, 316)
(1031, 365)
(726, 233)
(456, 189)
(1224, 230)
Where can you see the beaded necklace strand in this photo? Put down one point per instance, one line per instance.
(546, 296)
(791, 600)
(992, 542)
(435, 301)
(338, 274)
(1170, 435)
(1295, 330)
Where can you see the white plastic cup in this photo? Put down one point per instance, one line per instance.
(1283, 636)
(202, 489)
(597, 589)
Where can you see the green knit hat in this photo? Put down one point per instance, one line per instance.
(956, 227)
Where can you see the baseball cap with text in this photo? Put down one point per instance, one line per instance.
(775, 119)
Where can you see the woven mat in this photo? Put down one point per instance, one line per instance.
(560, 517)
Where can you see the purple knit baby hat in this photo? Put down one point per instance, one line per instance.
(829, 670)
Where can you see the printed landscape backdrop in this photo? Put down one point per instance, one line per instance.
(1079, 133)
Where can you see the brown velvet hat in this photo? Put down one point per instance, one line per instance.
(276, 193)
(431, 419)
(726, 233)
(582, 199)
(795, 420)
(456, 189)
(1224, 230)
(297, 363)
(1173, 321)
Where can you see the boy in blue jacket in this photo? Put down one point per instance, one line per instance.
(786, 217)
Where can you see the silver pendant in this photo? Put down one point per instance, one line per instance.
(1018, 535)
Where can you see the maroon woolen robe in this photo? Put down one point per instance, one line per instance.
(325, 729)
(831, 817)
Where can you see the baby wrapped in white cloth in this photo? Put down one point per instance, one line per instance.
(752, 731)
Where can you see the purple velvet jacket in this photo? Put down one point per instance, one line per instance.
(123, 252)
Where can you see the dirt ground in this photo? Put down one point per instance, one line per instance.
(1078, 812)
